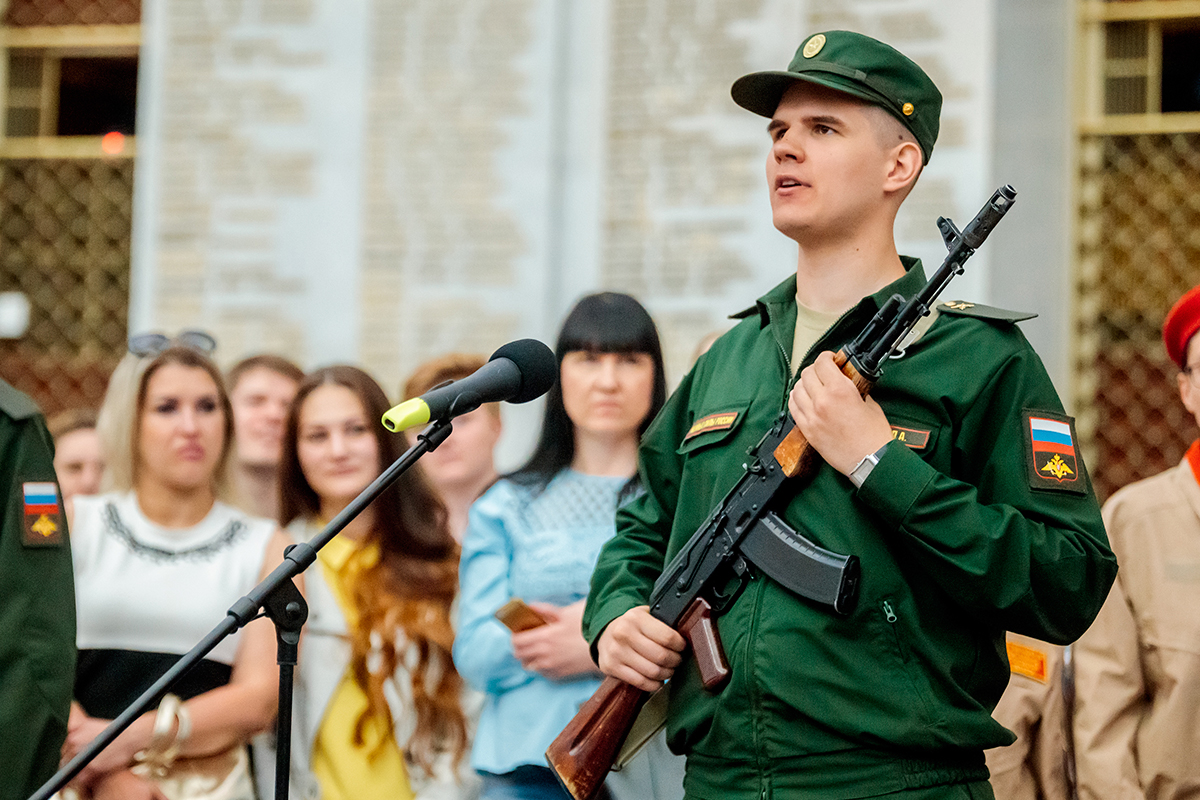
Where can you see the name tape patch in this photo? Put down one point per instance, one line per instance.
(722, 421)
(1053, 460)
(910, 437)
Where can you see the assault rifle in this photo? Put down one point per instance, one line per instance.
(743, 531)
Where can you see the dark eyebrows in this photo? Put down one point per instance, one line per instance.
(826, 119)
(820, 119)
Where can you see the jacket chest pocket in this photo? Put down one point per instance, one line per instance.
(715, 427)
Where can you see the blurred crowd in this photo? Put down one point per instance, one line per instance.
(184, 489)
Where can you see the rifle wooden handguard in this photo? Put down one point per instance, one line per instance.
(794, 454)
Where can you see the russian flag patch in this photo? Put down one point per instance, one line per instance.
(43, 514)
(1053, 458)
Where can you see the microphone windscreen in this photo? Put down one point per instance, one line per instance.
(536, 362)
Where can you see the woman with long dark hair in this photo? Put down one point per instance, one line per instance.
(378, 711)
(535, 535)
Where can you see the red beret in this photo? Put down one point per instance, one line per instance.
(1183, 320)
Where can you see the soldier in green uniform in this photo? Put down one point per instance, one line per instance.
(37, 602)
(957, 483)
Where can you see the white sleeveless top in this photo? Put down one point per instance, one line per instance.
(142, 587)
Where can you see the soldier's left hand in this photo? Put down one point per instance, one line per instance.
(837, 421)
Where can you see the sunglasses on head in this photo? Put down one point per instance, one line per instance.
(151, 344)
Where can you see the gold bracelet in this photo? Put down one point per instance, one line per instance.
(172, 724)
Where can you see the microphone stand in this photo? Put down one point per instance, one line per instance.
(284, 605)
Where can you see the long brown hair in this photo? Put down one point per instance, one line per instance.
(406, 594)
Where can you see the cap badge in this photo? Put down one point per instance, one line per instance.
(814, 45)
(907, 108)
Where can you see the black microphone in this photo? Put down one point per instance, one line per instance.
(517, 373)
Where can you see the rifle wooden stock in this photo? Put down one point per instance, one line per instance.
(584, 752)
(794, 454)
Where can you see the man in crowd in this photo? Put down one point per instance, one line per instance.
(78, 455)
(463, 466)
(260, 388)
(37, 602)
(1137, 669)
(964, 525)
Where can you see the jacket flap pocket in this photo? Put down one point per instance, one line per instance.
(712, 427)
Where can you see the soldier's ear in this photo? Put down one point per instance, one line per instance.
(904, 166)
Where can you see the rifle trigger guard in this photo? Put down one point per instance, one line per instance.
(743, 573)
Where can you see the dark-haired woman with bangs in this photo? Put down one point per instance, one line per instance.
(378, 704)
(535, 536)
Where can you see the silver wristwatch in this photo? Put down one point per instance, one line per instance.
(858, 475)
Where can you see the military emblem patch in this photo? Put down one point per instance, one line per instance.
(1052, 456)
(43, 514)
(713, 422)
(1027, 661)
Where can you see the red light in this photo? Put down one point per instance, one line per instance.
(113, 143)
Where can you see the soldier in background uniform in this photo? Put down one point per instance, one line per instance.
(1137, 669)
(37, 602)
(1032, 707)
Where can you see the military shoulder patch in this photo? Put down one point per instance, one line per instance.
(722, 421)
(43, 515)
(1051, 453)
(1027, 661)
(959, 308)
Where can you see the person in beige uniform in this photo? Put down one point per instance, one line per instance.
(1137, 669)
(1032, 707)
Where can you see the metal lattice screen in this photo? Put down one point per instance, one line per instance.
(64, 242)
(27, 13)
(1139, 251)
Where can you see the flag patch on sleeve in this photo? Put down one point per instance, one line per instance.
(1051, 452)
(43, 514)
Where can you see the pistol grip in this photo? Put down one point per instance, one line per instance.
(699, 628)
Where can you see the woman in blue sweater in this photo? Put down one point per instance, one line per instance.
(535, 536)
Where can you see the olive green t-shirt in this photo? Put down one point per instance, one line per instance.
(810, 327)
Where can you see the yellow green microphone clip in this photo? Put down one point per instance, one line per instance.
(408, 414)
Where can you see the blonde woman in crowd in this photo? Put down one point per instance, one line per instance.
(462, 467)
(159, 559)
(378, 705)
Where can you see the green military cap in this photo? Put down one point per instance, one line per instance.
(857, 65)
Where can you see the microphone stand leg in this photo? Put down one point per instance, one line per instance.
(286, 608)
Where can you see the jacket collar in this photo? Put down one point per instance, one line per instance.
(773, 302)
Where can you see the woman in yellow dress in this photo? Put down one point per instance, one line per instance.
(378, 701)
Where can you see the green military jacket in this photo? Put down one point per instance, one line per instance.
(961, 535)
(37, 602)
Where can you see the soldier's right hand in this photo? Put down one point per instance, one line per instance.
(639, 649)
